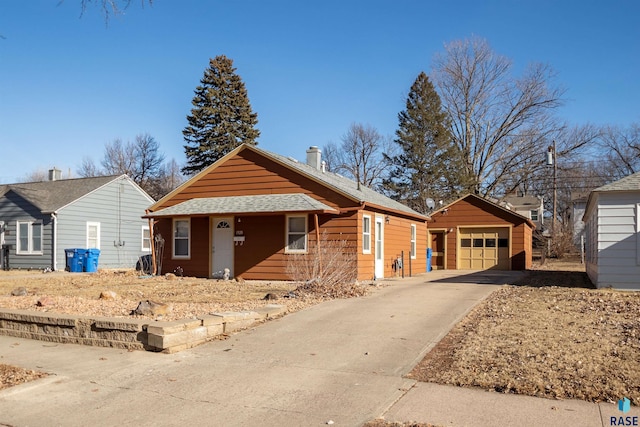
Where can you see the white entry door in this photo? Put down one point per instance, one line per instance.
(222, 251)
(379, 247)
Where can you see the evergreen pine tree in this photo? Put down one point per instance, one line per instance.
(428, 163)
(221, 118)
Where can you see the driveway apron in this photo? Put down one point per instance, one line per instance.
(341, 362)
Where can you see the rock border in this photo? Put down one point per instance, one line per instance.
(132, 334)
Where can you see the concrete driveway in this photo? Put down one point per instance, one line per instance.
(341, 362)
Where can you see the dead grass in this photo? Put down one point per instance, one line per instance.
(551, 335)
(76, 293)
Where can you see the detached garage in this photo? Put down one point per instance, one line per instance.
(474, 233)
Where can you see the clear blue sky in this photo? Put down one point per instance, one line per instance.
(70, 84)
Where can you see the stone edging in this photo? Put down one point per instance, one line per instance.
(135, 334)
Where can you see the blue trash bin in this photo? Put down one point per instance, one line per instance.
(75, 259)
(91, 260)
(429, 254)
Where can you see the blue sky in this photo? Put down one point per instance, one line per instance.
(70, 84)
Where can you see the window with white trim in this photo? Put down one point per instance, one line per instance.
(534, 214)
(413, 241)
(146, 239)
(366, 234)
(29, 237)
(93, 235)
(296, 234)
(181, 238)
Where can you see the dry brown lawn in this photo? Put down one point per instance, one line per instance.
(79, 293)
(550, 335)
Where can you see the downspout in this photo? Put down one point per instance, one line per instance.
(54, 261)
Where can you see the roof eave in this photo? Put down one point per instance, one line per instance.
(266, 213)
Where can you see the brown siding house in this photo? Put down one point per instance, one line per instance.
(474, 233)
(252, 209)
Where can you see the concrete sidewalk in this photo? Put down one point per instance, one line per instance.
(339, 362)
(443, 405)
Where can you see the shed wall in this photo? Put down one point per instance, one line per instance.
(615, 224)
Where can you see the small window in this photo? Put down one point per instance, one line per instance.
(413, 241)
(93, 235)
(503, 243)
(478, 243)
(366, 234)
(296, 234)
(29, 238)
(181, 237)
(534, 215)
(490, 243)
(146, 239)
(465, 243)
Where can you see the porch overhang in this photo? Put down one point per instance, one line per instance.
(266, 204)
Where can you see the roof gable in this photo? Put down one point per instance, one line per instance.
(473, 197)
(348, 188)
(523, 202)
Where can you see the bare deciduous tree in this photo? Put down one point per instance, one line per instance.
(497, 120)
(109, 7)
(169, 177)
(141, 160)
(36, 176)
(621, 146)
(360, 155)
(88, 168)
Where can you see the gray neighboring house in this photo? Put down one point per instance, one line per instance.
(530, 207)
(612, 230)
(39, 220)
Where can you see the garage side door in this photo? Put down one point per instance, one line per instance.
(484, 248)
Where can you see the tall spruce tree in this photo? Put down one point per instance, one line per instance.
(221, 118)
(428, 163)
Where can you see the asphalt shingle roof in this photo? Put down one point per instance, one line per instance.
(49, 196)
(521, 201)
(266, 203)
(342, 184)
(628, 183)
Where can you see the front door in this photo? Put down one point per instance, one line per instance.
(437, 250)
(379, 255)
(222, 251)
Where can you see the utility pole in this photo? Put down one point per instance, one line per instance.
(551, 160)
